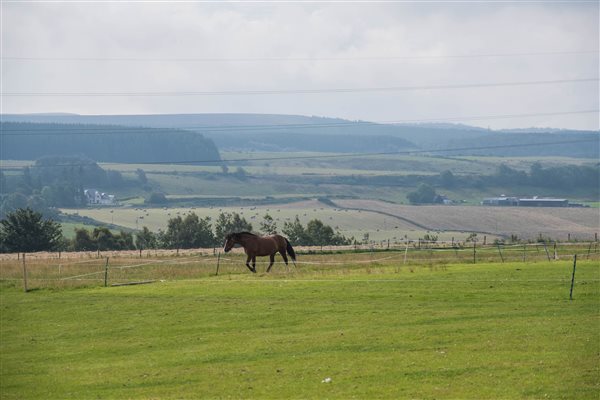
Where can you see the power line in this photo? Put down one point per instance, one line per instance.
(294, 91)
(330, 156)
(295, 59)
(115, 129)
(358, 155)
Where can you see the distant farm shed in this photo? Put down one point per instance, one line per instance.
(525, 202)
(537, 202)
(500, 201)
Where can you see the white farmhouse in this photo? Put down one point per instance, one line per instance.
(96, 198)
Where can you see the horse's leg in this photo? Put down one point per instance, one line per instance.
(248, 258)
(284, 256)
(282, 252)
(254, 263)
(271, 261)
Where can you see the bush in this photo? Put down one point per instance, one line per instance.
(25, 230)
(157, 198)
(316, 233)
(425, 194)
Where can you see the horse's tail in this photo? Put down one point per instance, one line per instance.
(290, 251)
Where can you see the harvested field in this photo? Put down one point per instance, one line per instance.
(350, 223)
(527, 223)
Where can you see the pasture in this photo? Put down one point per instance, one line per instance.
(278, 173)
(375, 326)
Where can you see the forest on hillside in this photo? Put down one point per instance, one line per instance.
(104, 143)
(270, 132)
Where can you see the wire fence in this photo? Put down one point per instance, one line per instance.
(53, 270)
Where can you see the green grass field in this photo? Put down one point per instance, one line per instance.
(275, 177)
(380, 330)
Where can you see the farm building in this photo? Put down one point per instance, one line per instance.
(94, 197)
(525, 202)
(442, 199)
(540, 202)
(500, 201)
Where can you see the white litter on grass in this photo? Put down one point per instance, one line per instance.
(326, 380)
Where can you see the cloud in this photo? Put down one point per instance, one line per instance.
(312, 35)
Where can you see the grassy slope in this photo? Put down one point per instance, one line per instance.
(272, 177)
(485, 331)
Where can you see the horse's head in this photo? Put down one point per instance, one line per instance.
(230, 240)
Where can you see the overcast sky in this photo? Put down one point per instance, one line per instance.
(136, 48)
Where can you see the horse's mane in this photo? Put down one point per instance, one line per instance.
(230, 235)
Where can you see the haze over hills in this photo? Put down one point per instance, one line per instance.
(273, 132)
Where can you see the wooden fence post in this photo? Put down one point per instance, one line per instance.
(500, 251)
(25, 275)
(573, 277)
(474, 252)
(546, 249)
(106, 273)
(218, 261)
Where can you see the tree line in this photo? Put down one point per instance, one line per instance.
(59, 181)
(560, 178)
(107, 143)
(26, 230)
(564, 177)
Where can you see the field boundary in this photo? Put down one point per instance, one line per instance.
(107, 270)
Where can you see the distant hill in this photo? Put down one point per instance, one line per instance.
(108, 143)
(256, 132)
(584, 144)
(174, 120)
(273, 132)
(332, 143)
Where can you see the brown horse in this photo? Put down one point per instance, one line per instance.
(260, 246)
